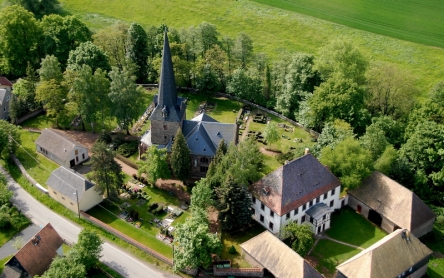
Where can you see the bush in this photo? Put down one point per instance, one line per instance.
(232, 250)
(128, 148)
(153, 206)
(105, 137)
(158, 210)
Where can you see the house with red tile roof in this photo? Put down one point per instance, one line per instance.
(302, 191)
(35, 257)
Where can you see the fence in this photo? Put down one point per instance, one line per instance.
(27, 176)
(126, 238)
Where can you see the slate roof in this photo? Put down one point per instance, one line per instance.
(5, 82)
(67, 182)
(388, 257)
(277, 257)
(203, 134)
(36, 255)
(167, 96)
(294, 184)
(56, 143)
(393, 201)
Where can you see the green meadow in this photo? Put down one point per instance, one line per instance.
(275, 31)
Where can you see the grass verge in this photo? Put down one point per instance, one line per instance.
(436, 268)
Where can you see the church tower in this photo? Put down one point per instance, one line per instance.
(169, 113)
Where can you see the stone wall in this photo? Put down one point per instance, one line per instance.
(163, 131)
(27, 176)
(238, 272)
(30, 115)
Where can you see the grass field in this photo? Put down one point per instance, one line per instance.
(274, 31)
(416, 20)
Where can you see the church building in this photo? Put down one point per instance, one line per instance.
(202, 133)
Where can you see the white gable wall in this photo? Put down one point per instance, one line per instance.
(90, 199)
(280, 221)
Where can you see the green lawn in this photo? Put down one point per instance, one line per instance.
(275, 30)
(349, 226)
(2, 263)
(237, 238)
(414, 20)
(436, 268)
(330, 254)
(28, 155)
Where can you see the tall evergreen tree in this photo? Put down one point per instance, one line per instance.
(107, 173)
(137, 50)
(180, 157)
(234, 204)
(220, 152)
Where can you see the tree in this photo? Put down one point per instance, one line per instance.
(301, 237)
(342, 57)
(207, 36)
(154, 164)
(180, 158)
(217, 158)
(62, 35)
(88, 94)
(271, 133)
(217, 62)
(338, 98)
(246, 85)
(332, 134)
(349, 161)
(234, 205)
(20, 35)
(107, 173)
(391, 91)
(299, 80)
(374, 140)
(201, 195)
(89, 246)
(52, 95)
(5, 193)
(125, 97)
(50, 69)
(424, 152)
(243, 49)
(89, 54)
(137, 50)
(385, 162)
(65, 267)
(112, 40)
(193, 243)
(9, 138)
(38, 8)
(25, 90)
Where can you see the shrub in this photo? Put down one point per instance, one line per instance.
(128, 148)
(158, 210)
(232, 250)
(105, 137)
(153, 206)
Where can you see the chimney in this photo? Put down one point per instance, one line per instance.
(307, 150)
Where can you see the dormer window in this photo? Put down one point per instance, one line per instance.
(266, 190)
(218, 132)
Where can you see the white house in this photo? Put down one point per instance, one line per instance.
(73, 190)
(5, 97)
(62, 150)
(302, 190)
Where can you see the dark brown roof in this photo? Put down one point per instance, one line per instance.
(294, 184)
(393, 201)
(56, 143)
(37, 254)
(277, 257)
(388, 257)
(5, 82)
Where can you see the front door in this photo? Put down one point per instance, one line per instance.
(72, 163)
(358, 208)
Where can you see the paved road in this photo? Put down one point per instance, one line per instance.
(113, 256)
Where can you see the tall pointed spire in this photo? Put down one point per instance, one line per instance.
(167, 84)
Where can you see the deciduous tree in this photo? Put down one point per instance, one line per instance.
(112, 40)
(107, 173)
(201, 195)
(89, 54)
(154, 164)
(89, 246)
(52, 95)
(38, 7)
(125, 96)
(349, 161)
(50, 68)
(20, 36)
(180, 158)
(193, 243)
(301, 237)
(243, 49)
(271, 133)
(137, 50)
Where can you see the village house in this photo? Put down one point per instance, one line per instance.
(73, 190)
(61, 149)
(5, 97)
(302, 191)
(267, 251)
(391, 206)
(399, 254)
(203, 133)
(35, 257)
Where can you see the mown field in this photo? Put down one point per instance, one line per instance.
(415, 20)
(274, 31)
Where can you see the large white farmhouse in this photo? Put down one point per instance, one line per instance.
(302, 190)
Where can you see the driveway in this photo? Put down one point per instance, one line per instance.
(116, 258)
